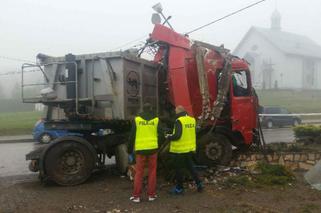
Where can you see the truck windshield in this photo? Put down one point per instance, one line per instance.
(240, 83)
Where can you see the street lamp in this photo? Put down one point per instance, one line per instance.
(159, 10)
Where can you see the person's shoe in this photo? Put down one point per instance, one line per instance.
(135, 199)
(176, 191)
(152, 198)
(200, 187)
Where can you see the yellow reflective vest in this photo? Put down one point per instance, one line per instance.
(146, 134)
(187, 141)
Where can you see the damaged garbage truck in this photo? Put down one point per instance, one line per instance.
(97, 95)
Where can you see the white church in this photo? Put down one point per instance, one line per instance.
(280, 59)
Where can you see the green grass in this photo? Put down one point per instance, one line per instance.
(294, 101)
(273, 174)
(307, 131)
(267, 175)
(17, 123)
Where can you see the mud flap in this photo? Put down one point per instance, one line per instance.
(121, 155)
(35, 157)
(35, 154)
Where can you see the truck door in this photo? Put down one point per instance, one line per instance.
(243, 109)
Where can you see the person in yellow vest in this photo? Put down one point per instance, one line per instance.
(143, 143)
(182, 148)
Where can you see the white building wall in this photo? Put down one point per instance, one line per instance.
(292, 73)
(318, 75)
(39, 107)
(265, 52)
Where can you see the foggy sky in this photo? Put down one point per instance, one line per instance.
(58, 27)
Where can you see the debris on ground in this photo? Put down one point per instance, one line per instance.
(261, 174)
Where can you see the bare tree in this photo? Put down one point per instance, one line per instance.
(2, 94)
(16, 91)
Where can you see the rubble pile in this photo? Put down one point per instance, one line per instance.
(260, 174)
(221, 173)
(217, 175)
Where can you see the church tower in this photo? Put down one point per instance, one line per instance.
(276, 20)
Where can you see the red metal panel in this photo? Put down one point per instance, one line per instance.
(165, 34)
(239, 64)
(178, 79)
(193, 85)
(242, 117)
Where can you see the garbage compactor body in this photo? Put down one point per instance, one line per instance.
(98, 95)
(111, 86)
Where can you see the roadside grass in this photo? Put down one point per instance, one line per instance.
(294, 101)
(18, 123)
(266, 175)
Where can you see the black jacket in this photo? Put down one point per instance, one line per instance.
(146, 116)
(178, 128)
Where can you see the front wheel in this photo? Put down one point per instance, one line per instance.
(45, 138)
(69, 163)
(214, 149)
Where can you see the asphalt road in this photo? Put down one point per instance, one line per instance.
(13, 163)
(278, 135)
(13, 160)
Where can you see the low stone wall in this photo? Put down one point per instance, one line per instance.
(292, 160)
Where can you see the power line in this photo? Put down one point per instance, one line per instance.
(224, 17)
(15, 59)
(143, 37)
(130, 42)
(17, 72)
(201, 27)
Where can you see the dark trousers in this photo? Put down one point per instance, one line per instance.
(181, 162)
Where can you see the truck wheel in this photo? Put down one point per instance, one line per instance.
(121, 155)
(214, 149)
(69, 163)
(45, 138)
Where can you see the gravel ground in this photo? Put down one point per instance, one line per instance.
(107, 192)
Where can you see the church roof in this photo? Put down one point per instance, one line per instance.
(289, 43)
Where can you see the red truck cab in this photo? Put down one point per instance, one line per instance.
(239, 123)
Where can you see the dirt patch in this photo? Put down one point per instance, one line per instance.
(107, 192)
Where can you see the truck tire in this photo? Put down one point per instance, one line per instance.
(69, 163)
(214, 149)
(121, 156)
